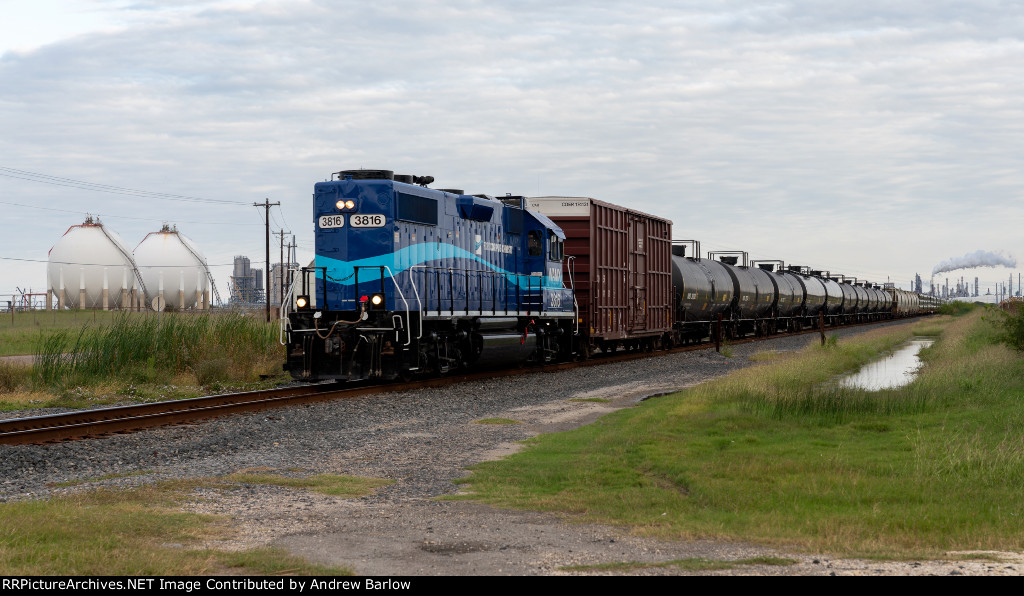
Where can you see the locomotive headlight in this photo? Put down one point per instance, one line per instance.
(346, 205)
(377, 301)
(302, 301)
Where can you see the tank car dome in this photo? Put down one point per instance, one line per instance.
(172, 266)
(87, 259)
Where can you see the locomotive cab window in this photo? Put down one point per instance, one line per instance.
(555, 248)
(535, 243)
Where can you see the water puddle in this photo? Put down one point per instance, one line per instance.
(893, 370)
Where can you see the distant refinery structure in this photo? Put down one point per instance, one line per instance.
(962, 288)
(249, 286)
(246, 284)
(90, 267)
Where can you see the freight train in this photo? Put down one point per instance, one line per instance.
(410, 280)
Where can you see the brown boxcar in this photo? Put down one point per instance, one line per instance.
(621, 270)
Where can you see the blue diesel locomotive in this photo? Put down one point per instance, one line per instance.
(410, 280)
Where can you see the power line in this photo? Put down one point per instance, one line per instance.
(79, 184)
(274, 219)
(283, 218)
(218, 223)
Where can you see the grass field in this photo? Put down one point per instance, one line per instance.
(778, 454)
(87, 358)
(20, 332)
(143, 531)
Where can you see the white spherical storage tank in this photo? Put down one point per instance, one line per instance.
(173, 271)
(90, 267)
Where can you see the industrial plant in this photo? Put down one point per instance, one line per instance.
(90, 267)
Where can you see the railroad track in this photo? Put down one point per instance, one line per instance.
(99, 422)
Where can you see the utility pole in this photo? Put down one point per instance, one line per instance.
(266, 204)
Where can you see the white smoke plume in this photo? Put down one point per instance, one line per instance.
(980, 258)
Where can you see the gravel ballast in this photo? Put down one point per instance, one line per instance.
(423, 441)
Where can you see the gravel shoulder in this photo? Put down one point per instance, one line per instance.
(424, 441)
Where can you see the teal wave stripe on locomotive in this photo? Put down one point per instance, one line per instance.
(343, 272)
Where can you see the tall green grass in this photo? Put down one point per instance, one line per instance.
(957, 308)
(150, 348)
(805, 387)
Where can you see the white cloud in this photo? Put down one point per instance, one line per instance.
(840, 133)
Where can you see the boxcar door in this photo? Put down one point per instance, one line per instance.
(638, 275)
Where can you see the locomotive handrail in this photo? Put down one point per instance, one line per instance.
(533, 291)
(572, 286)
(285, 303)
(408, 317)
(419, 302)
(398, 289)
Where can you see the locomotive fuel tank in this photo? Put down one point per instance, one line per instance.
(498, 341)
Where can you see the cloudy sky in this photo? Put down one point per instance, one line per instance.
(876, 139)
